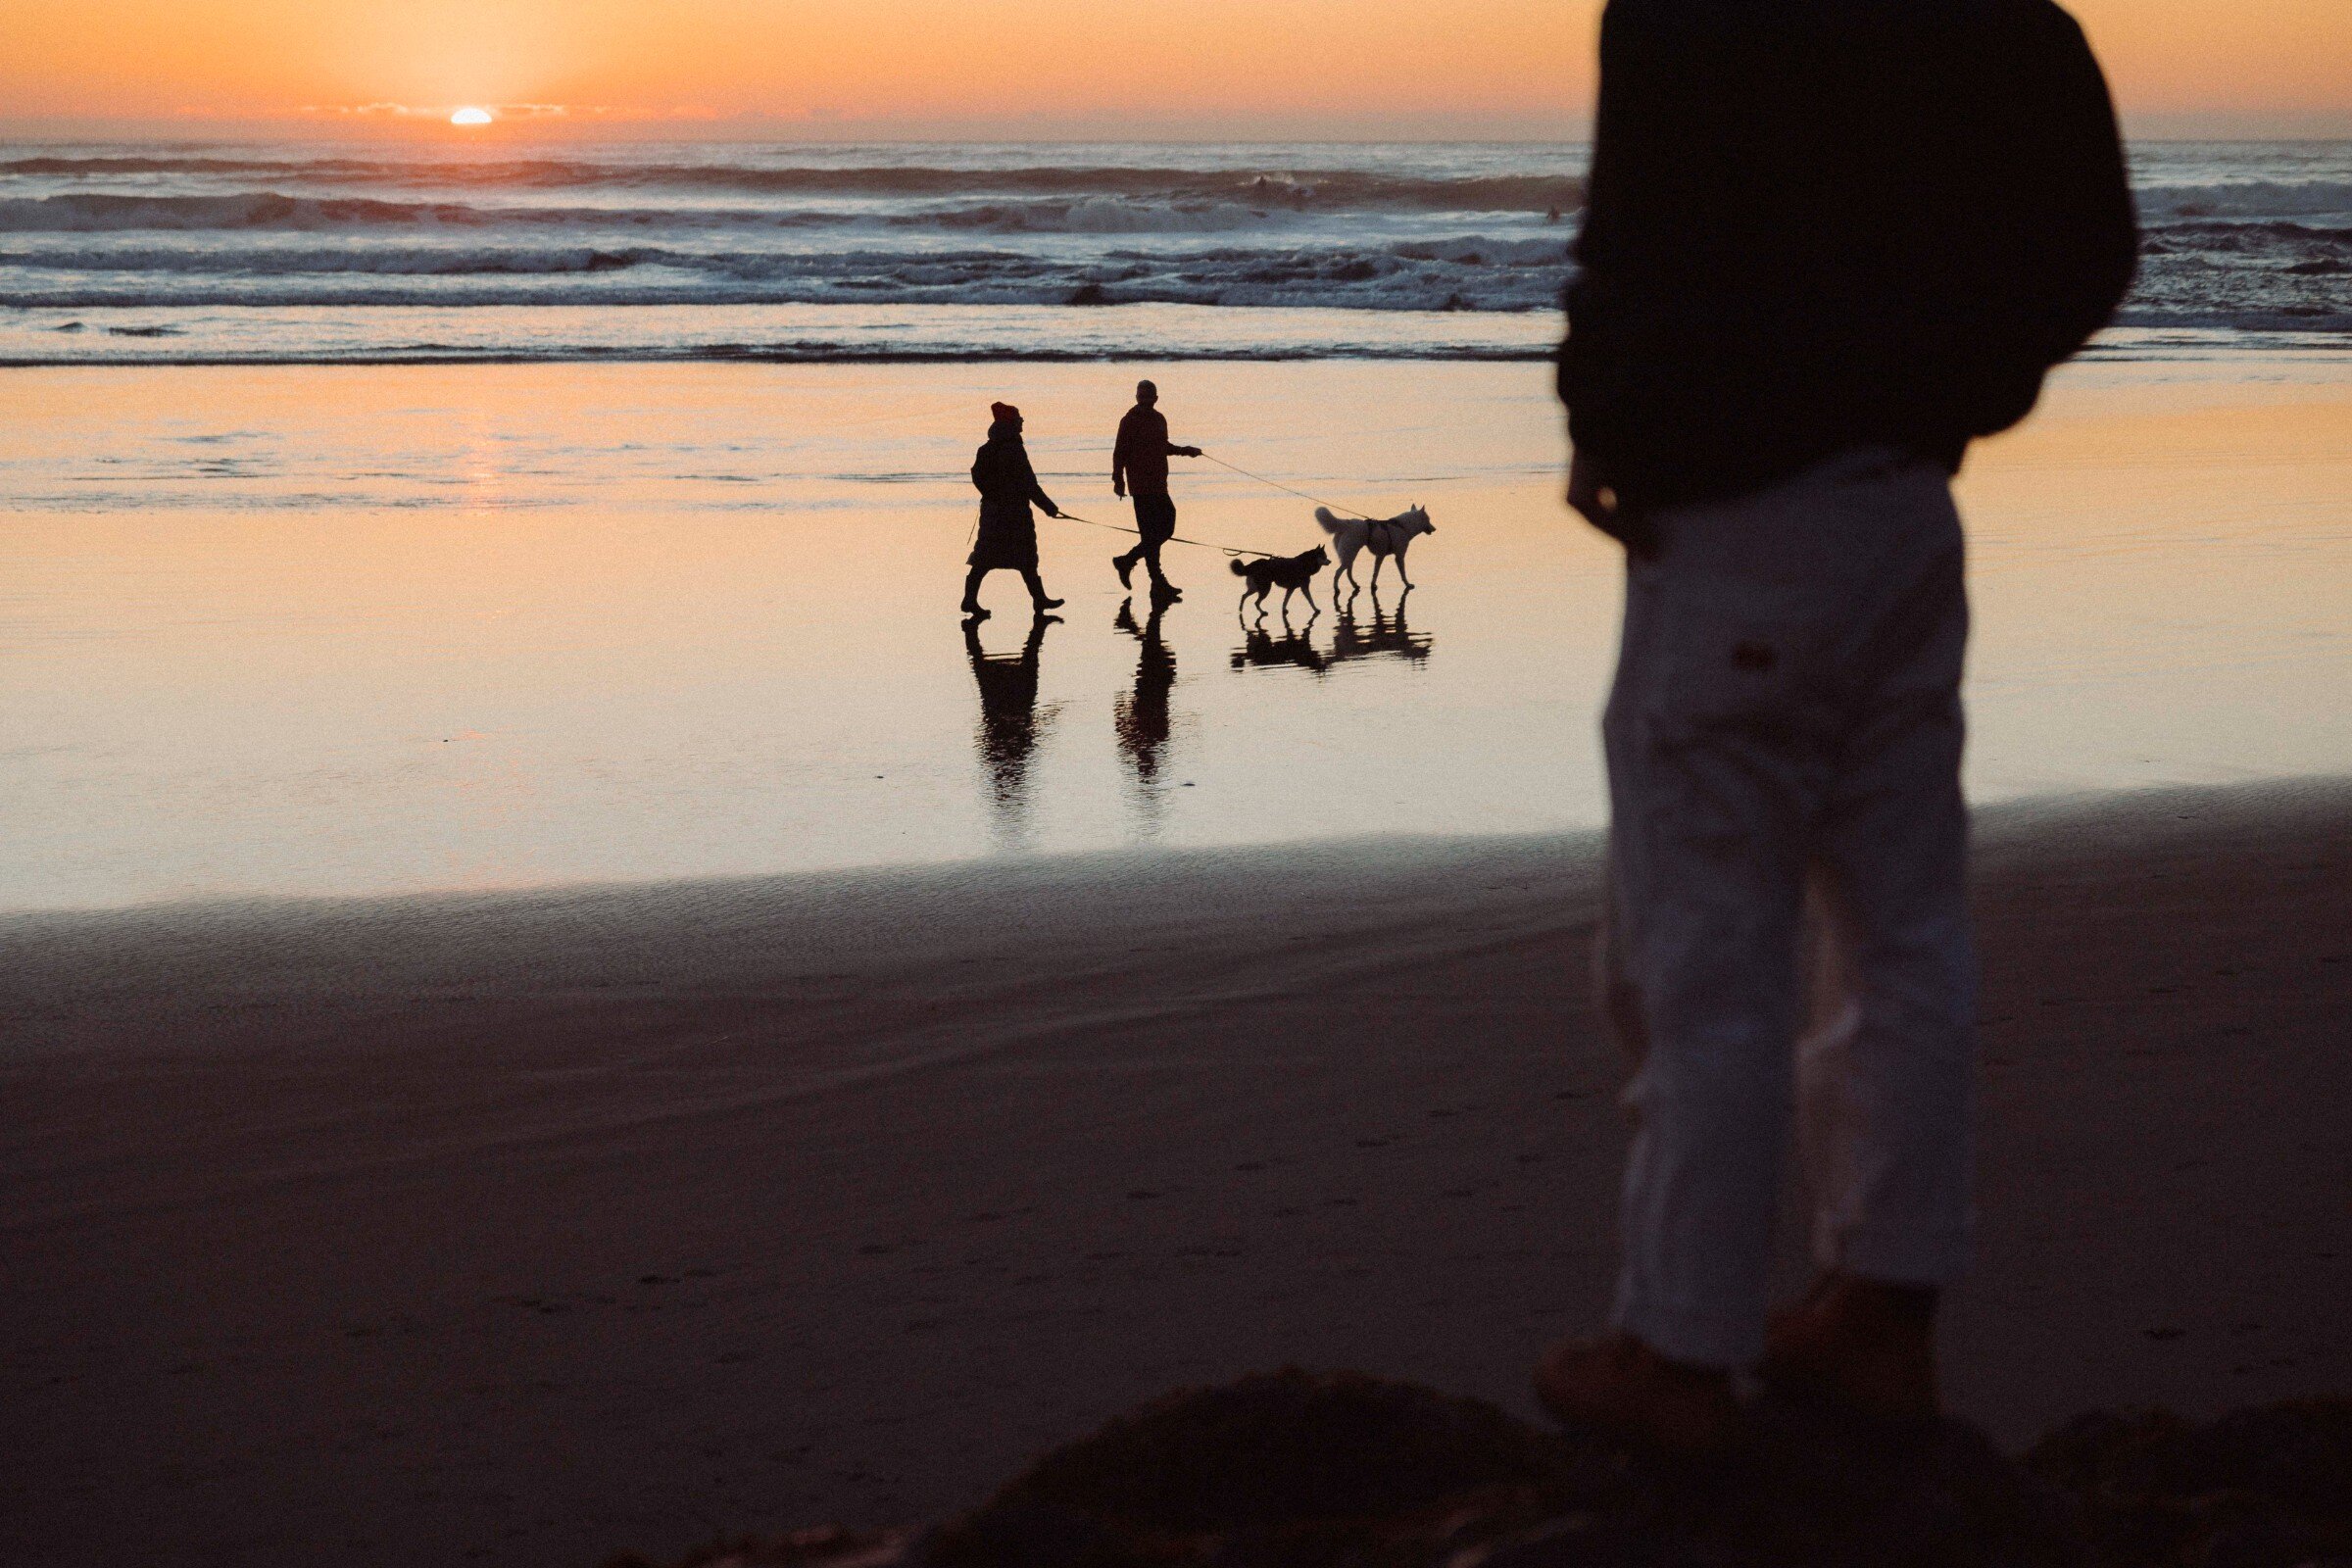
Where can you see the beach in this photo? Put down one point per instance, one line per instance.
(553, 1001)
(355, 631)
(526, 1227)
(553, 998)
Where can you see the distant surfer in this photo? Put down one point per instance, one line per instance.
(1139, 466)
(1008, 487)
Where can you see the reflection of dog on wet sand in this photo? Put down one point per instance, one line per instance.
(1262, 649)
(1388, 635)
(1289, 573)
(1382, 536)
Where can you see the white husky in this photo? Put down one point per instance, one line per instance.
(1382, 536)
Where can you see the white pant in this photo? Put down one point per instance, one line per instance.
(1785, 730)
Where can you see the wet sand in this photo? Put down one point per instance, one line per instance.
(526, 1227)
(287, 631)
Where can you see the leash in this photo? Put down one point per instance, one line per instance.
(1206, 544)
(1174, 539)
(1279, 486)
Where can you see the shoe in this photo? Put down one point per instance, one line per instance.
(1043, 604)
(1622, 1389)
(1859, 1343)
(1125, 569)
(1166, 593)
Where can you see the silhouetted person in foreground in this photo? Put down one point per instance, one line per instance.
(1008, 722)
(1008, 485)
(1829, 242)
(1139, 463)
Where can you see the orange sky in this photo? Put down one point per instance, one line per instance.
(1013, 67)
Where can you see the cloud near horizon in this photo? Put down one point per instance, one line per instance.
(382, 111)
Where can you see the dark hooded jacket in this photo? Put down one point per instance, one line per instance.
(1817, 224)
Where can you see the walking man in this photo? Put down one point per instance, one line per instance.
(1139, 464)
(1829, 242)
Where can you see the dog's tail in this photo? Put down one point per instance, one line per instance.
(1239, 571)
(1331, 525)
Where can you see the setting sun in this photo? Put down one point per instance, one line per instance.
(853, 69)
(621, 944)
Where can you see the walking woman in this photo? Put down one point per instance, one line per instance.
(1008, 485)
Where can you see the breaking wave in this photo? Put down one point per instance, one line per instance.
(2246, 199)
(1325, 189)
(96, 213)
(1461, 274)
(2239, 238)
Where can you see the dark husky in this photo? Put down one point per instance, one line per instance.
(1291, 574)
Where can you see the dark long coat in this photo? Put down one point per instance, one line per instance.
(1008, 487)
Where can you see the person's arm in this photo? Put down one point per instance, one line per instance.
(2068, 244)
(1662, 220)
(1653, 143)
(1036, 491)
(1121, 455)
(2036, 240)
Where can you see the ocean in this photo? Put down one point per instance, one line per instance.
(384, 520)
(290, 253)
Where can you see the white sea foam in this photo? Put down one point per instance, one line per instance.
(2248, 199)
(238, 250)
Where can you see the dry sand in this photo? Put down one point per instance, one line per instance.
(523, 1229)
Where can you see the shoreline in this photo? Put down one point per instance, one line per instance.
(2135, 342)
(688, 621)
(548, 1223)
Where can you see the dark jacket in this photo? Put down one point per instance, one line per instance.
(1001, 473)
(1140, 458)
(1816, 224)
(1008, 485)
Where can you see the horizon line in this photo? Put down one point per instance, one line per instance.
(552, 130)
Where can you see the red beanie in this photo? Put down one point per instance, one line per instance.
(1002, 411)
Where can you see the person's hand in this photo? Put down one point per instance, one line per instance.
(1190, 451)
(1118, 489)
(1588, 496)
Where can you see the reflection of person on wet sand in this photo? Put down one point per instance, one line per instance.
(1010, 725)
(1140, 718)
(1008, 485)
